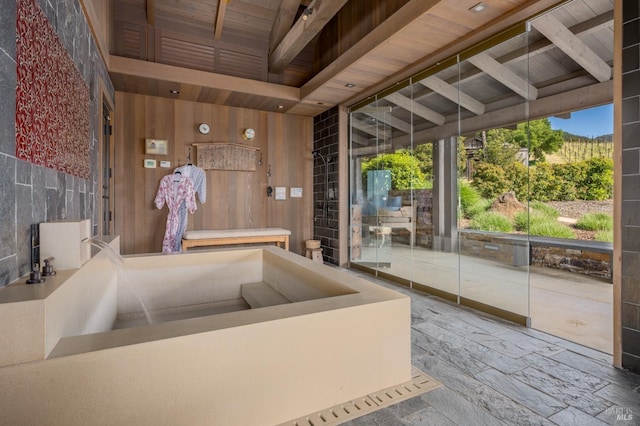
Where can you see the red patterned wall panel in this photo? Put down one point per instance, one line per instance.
(52, 99)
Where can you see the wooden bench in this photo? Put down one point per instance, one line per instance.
(221, 237)
(401, 218)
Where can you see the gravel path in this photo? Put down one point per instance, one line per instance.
(576, 209)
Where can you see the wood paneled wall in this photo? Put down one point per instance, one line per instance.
(235, 199)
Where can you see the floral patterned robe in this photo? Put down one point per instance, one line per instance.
(175, 190)
(199, 179)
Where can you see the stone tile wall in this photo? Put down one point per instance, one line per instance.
(325, 197)
(631, 185)
(32, 194)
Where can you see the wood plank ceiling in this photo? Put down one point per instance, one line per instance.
(272, 54)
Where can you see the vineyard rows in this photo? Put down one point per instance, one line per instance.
(584, 149)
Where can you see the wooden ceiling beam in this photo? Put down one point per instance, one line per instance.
(543, 45)
(222, 8)
(453, 94)
(539, 47)
(370, 129)
(572, 46)
(380, 34)
(392, 121)
(558, 104)
(416, 108)
(504, 75)
(359, 140)
(302, 32)
(162, 72)
(151, 12)
(368, 151)
(284, 19)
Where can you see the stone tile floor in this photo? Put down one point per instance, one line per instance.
(498, 373)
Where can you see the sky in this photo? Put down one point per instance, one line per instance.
(590, 122)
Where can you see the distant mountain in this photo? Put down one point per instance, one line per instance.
(570, 136)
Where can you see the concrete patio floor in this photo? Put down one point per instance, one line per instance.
(498, 373)
(567, 305)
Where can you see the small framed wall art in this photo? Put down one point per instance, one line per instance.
(156, 146)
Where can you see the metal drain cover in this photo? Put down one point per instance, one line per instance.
(420, 383)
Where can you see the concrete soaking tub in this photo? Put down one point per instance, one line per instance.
(287, 337)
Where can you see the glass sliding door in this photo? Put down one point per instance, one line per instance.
(452, 192)
(494, 252)
(372, 133)
(434, 110)
(425, 205)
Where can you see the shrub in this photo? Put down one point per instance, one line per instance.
(490, 180)
(544, 208)
(404, 168)
(598, 180)
(606, 236)
(521, 221)
(542, 221)
(468, 195)
(544, 186)
(491, 221)
(517, 177)
(569, 176)
(595, 222)
(471, 203)
(551, 228)
(475, 209)
(532, 219)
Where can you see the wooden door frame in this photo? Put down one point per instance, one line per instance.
(106, 99)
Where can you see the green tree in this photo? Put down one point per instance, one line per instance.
(424, 154)
(499, 148)
(538, 136)
(405, 170)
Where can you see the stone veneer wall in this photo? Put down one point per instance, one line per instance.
(577, 259)
(30, 193)
(630, 270)
(325, 199)
(590, 258)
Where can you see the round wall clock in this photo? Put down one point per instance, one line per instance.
(248, 134)
(204, 128)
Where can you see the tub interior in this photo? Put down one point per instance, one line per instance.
(158, 289)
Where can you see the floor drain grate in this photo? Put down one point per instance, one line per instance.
(420, 383)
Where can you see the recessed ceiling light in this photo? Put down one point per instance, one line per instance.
(350, 85)
(174, 92)
(280, 106)
(308, 11)
(478, 7)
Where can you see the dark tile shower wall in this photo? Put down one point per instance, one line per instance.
(32, 194)
(325, 184)
(631, 186)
